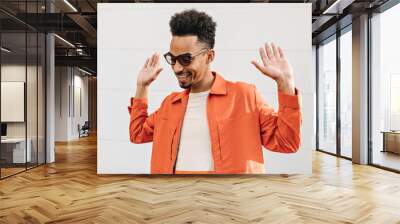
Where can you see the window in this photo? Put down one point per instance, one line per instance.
(327, 96)
(22, 101)
(385, 89)
(346, 95)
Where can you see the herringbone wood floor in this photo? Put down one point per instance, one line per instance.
(70, 191)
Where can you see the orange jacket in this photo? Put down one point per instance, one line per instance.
(239, 122)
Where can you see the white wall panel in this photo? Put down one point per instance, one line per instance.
(241, 29)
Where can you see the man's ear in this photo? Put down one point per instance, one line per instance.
(210, 56)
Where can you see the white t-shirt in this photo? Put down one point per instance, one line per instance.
(195, 145)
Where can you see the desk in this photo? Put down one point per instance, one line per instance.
(15, 148)
(391, 141)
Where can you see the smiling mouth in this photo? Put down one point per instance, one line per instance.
(184, 76)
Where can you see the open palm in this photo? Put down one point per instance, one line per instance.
(275, 65)
(150, 70)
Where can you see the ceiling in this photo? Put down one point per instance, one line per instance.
(76, 22)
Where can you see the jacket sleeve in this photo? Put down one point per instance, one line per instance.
(280, 131)
(141, 125)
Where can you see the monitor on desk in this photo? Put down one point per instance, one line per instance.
(3, 130)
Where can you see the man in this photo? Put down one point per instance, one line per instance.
(214, 125)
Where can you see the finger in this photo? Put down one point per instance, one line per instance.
(281, 52)
(146, 63)
(157, 60)
(270, 54)
(158, 71)
(155, 75)
(258, 66)
(153, 60)
(150, 61)
(264, 70)
(263, 56)
(275, 50)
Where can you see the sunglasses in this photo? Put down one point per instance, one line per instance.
(183, 59)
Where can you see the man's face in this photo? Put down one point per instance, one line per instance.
(193, 73)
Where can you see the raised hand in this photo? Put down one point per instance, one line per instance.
(150, 71)
(276, 66)
(147, 75)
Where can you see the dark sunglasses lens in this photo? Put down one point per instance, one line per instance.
(169, 59)
(185, 59)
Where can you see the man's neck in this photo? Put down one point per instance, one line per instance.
(205, 84)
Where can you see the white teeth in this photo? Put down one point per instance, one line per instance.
(184, 75)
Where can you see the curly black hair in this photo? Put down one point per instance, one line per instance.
(192, 22)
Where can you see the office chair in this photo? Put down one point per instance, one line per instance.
(84, 130)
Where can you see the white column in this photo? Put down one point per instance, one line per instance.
(50, 92)
(360, 90)
(50, 100)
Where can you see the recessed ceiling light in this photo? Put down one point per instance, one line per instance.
(64, 40)
(84, 71)
(331, 7)
(70, 5)
(5, 50)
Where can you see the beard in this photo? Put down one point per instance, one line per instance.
(185, 79)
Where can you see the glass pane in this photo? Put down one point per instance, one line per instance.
(41, 98)
(31, 86)
(13, 89)
(386, 89)
(22, 88)
(346, 94)
(17, 9)
(31, 99)
(327, 97)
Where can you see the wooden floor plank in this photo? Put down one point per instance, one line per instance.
(70, 191)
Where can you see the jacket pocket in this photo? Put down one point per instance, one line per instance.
(163, 143)
(236, 134)
(173, 131)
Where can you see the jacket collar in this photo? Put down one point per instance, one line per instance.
(218, 88)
